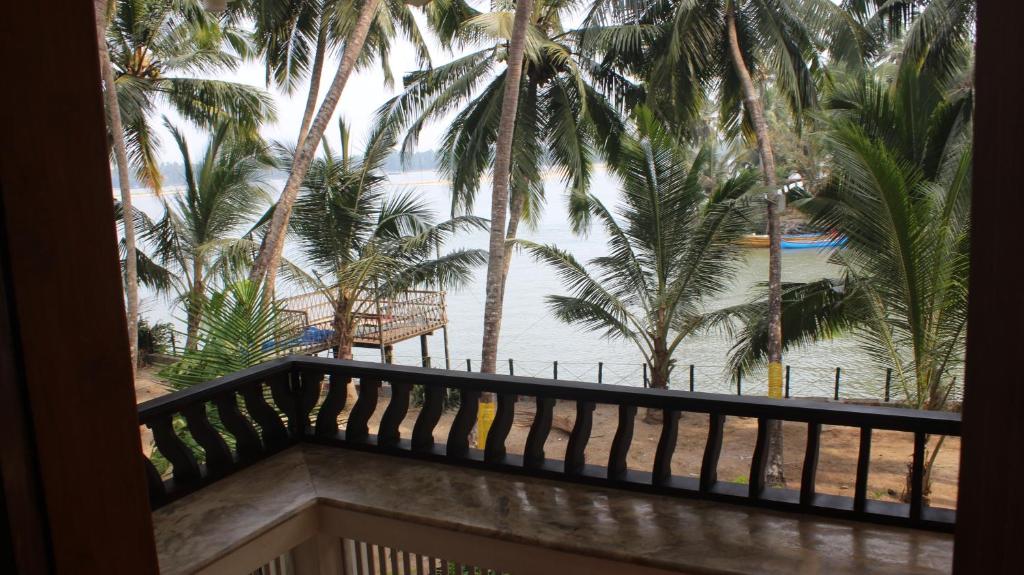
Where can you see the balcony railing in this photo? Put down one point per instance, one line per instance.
(250, 415)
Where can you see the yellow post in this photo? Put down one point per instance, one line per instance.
(484, 419)
(775, 380)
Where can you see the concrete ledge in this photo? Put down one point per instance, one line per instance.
(517, 524)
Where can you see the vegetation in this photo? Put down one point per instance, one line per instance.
(120, 153)
(685, 101)
(672, 246)
(899, 192)
(155, 338)
(169, 53)
(202, 232)
(239, 329)
(365, 244)
(561, 118)
(374, 24)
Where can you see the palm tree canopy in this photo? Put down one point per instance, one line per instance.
(166, 52)
(288, 33)
(671, 245)
(203, 228)
(680, 48)
(361, 238)
(564, 116)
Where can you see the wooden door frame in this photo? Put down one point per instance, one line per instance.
(74, 496)
(74, 491)
(990, 512)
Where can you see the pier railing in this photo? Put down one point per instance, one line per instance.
(213, 429)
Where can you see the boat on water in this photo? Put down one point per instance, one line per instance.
(754, 241)
(795, 241)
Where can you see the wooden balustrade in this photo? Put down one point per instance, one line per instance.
(215, 428)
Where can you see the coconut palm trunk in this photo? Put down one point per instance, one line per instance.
(343, 328)
(124, 183)
(755, 108)
(499, 195)
(314, 82)
(195, 306)
(269, 256)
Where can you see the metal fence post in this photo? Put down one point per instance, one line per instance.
(645, 375)
(888, 383)
(556, 369)
(511, 367)
(836, 395)
(739, 381)
(469, 364)
(691, 377)
(787, 382)
(600, 372)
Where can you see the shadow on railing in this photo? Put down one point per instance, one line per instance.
(247, 416)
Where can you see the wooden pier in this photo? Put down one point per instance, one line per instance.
(380, 322)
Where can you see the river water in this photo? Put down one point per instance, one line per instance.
(533, 338)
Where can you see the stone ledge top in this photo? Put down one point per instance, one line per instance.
(656, 531)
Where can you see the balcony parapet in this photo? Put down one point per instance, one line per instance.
(246, 417)
(342, 511)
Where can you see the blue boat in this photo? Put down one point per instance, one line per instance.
(812, 241)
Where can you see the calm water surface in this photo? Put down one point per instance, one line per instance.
(534, 339)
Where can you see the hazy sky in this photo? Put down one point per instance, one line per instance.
(364, 93)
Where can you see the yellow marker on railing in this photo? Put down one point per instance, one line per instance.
(484, 419)
(775, 380)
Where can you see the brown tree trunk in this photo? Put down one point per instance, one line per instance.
(314, 82)
(499, 195)
(124, 182)
(659, 365)
(269, 256)
(307, 119)
(344, 331)
(515, 215)
(752, 104)
(343, 328)
(195, 307)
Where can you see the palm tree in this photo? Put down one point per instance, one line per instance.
(161, 50)
(118, 145)
(202, 233)
(688, 49)
(366, 244)
(900, 193)
(375, 24)
(672, 246)
(561, 118)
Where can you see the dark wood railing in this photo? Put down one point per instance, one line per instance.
(247, 416)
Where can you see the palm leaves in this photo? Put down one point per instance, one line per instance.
(564, 117)
(160, 49)
(239, 329)
(900, 193)
(671, 246)
(200, 236)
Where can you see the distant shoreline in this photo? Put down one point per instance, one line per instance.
(546, 175)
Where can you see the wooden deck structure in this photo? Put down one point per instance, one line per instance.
(380, 323)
